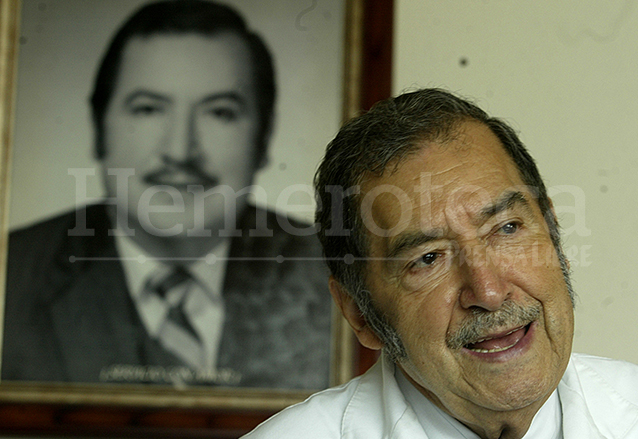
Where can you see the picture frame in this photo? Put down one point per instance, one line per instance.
(141, 409)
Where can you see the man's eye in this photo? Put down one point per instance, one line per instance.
(427, 259)
(425, 269)
(510, 228)
(146, 109)
(223, 113)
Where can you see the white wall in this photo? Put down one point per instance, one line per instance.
(565, 74)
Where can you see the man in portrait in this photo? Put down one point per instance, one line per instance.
(445, 254)
(175, 277)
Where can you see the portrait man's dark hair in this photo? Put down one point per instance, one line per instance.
(175, 17)
(378, 142)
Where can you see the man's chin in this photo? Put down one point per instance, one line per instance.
(164, 226)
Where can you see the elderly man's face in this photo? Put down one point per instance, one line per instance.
(184, 117)
(468, 276)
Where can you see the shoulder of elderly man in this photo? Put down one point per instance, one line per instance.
(596, 394)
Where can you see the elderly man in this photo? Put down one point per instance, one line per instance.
(174, 277)
(445, 253)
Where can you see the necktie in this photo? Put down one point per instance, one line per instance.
(177, 334)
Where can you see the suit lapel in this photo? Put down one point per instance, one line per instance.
(277, 320)
(93, 318)
(249, 281)
(92, 323)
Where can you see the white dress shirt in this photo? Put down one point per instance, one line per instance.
(597, 399)
(547, 422)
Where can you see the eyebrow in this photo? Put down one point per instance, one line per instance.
(230, 95)
(411, 240)
(145, 94)
(507, 201)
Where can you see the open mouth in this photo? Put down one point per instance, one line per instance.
(499, 342)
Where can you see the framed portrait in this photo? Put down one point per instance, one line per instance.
(77, 337)
(55, 169)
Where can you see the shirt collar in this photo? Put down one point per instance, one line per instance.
(547, 422)
(138, 265)
(593, 407)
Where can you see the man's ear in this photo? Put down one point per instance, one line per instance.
(351, 312)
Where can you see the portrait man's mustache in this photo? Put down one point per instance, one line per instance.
(180, 174)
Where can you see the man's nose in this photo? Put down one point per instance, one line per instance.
(181, 141)
(482, 283)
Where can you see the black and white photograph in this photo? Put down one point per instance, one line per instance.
(161, 204)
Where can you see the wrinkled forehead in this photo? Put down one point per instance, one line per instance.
(465, 173)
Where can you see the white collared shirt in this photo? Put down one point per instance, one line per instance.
(547, 422)
(597, 398)
(208, 272)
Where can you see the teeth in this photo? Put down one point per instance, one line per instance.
(491, 351)
(490, 338)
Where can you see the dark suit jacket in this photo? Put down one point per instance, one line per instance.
(70, 320)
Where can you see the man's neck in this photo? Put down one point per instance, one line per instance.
(486, 423)
(511, 425)
(176, 247)
(179, 246)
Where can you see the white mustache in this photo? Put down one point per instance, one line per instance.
(481, 323)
